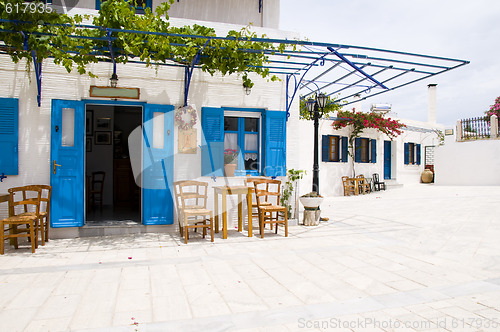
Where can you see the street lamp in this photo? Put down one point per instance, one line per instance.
(313, 107)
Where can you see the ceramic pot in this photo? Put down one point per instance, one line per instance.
(427, 176)
(311, 202)
(229, 169)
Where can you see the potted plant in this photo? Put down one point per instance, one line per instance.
(312, 213)
(290, 189)
(230, 161)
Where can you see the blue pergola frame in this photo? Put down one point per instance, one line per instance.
(340, 71)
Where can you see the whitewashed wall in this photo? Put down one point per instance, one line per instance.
(241, 12)
(469, 163)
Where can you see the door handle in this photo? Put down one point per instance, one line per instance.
(54, 165)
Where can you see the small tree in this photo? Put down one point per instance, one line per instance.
(359, 121)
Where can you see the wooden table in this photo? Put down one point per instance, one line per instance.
(232, 190)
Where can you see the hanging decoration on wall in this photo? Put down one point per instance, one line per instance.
(187, 141)
(185, 117)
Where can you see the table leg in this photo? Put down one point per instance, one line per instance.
(216, 211)
(240, 213)
(224, 215)
(249, 207)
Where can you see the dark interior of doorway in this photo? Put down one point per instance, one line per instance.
(108, 128)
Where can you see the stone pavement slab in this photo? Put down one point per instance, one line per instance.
(416, 258)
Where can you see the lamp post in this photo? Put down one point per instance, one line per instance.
(313, 107)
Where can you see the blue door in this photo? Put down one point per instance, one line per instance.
(67, 163)
(387, 159)
(158, 164)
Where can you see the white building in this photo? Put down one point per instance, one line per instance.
(72, 133)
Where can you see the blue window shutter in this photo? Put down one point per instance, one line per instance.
(407, 153)
(212, 147)
(325, 148)
(418, 154)
(345, 152)
(357, 149)
(98, 4)
(373, 153)
(9, 136)
(275, 143)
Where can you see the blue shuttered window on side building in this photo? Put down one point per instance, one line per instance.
(340, 148)
(9, 136)
(273, 148)
(412, 154)
(365, 150)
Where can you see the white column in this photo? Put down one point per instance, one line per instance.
(459, 131)
(494, 126)
(431, 110)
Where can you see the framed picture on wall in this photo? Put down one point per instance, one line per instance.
(89, 123)
(88, 144)
(102, 138)
(103, 123)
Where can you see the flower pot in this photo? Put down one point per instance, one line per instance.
(427, 176)
(311, 202)
(229, 169)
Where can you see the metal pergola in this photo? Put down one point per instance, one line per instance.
(340, 71)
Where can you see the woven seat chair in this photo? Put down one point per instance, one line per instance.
(255, 210)
(349, 186)
(192, 212)
(363, 185)
(44, 213)
(22, 200)
(265, 190)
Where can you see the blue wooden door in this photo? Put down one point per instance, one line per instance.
(158, 164)
(67, 163)
(387, 159)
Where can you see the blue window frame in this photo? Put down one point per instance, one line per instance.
(261, 145)
(242, 134)
(141, 5)
(412, 153)
(365, 150)
(334, 148)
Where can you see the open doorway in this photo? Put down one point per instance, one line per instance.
(112, 197)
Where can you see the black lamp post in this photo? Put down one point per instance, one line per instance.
(313, 107)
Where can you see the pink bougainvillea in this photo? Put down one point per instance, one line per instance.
(360, 121)
(495, 108)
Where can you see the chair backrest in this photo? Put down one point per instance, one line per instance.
(375, 178)
(249, 181)
(26, 197)
(265, 188)
(98, 180)
(188, 191)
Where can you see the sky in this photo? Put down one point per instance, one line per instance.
(460, 29)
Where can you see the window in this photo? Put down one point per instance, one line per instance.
(365, 150)
(242, 134)
(258, 135)
(9, 135)
(334, 148)
(412, 153)
(141, 5)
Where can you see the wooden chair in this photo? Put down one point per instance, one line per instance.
(22, 200)
(349, 186)
(97, 188)
(270, 214)
(191, 205)
(255, 210)
(363, 185)
(377, 184)
(44, 213)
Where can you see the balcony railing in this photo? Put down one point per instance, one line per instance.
(483, 127)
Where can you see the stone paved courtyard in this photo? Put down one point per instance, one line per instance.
(420, 257)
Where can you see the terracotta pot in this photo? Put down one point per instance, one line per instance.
(229, 169)
(427, 176)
